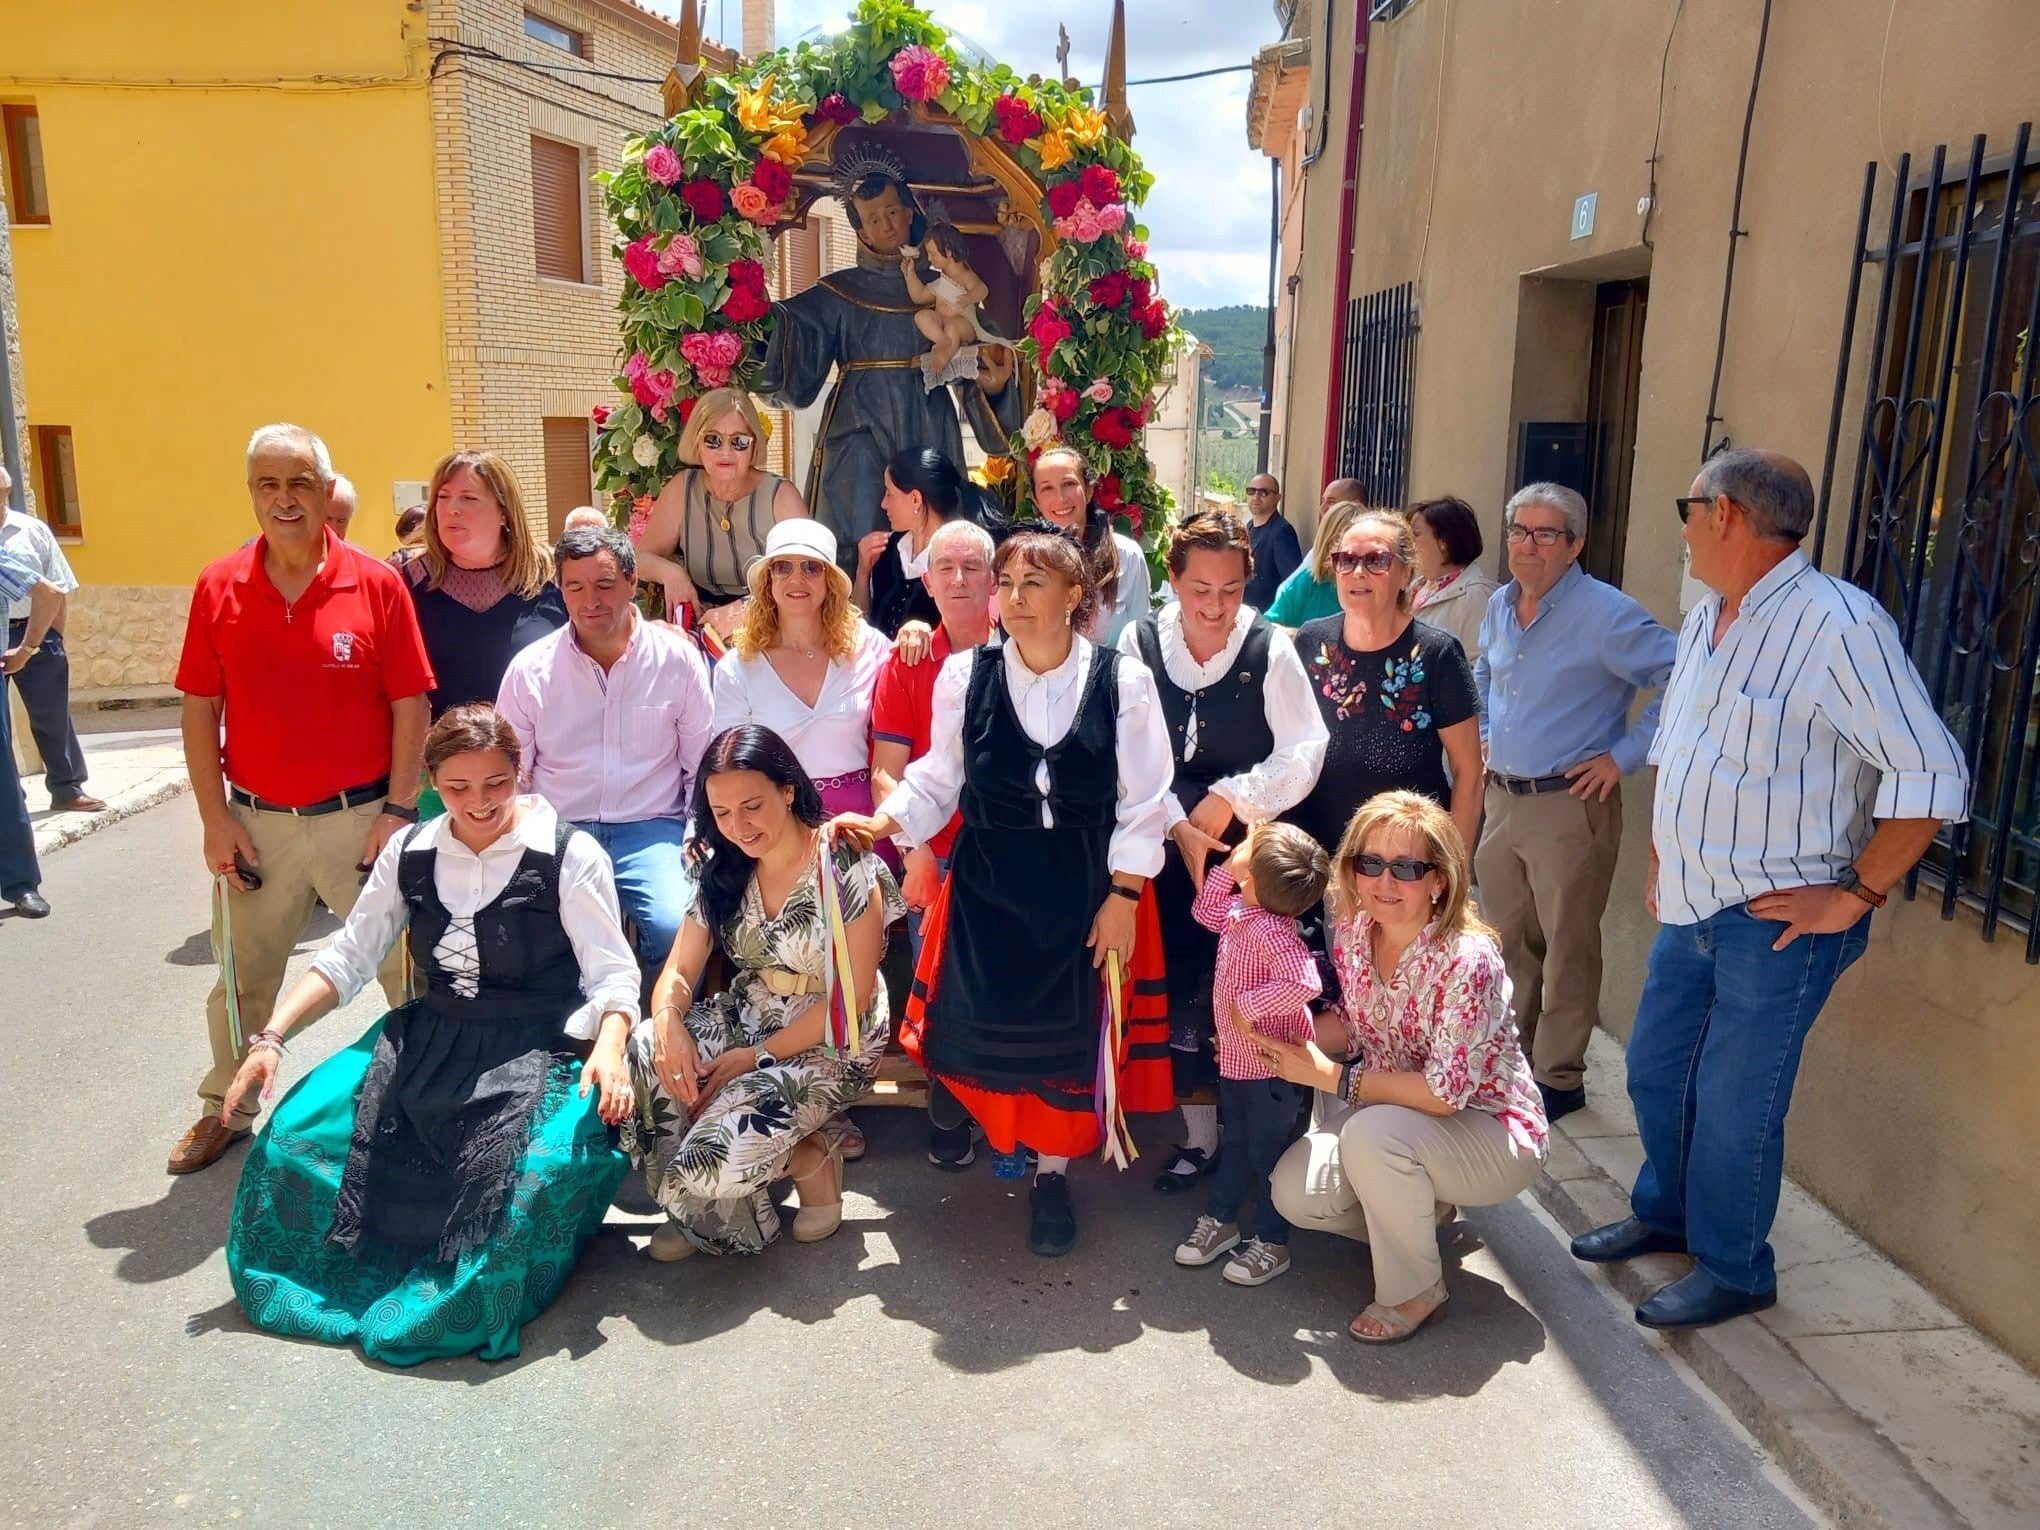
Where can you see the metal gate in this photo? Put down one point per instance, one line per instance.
(1374, 404)
(1943, 503)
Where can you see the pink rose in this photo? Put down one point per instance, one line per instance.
(642, 262)
(681, 257)
(1136, 249)
(650, 388)
(1085, 224)
(752, 203)
(1112, 217)
(919, 73)
(663, 165)
(1100, 391)
(712, 355)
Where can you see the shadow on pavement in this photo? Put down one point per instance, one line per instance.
(175, 1235)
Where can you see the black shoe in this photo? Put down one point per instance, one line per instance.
(1175, 1178)
(1699, 1300)
(1624, 1240)
(1051, 1224)
(1561, 1102)
(952, 1149)
(31, 905)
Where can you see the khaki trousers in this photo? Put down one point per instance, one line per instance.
(298, 859)
(1545, 865)
(1377, 1174)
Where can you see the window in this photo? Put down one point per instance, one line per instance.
(1374, 394)
(553, 35)
(559, 210)
(800, 255)
(1942, 498)
(57, 480)
(568, 447)
(28, 197)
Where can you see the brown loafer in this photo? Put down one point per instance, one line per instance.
(202, 1145)
(79, 805)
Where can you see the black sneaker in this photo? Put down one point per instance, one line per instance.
(1051, 1223)
(1561, 1102)
(1185, 1169)
(952, 1149)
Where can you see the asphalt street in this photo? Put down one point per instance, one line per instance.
(920, 1368)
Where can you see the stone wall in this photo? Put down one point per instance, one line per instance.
(124, 634)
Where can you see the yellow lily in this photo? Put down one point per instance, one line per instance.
(1085, 127)
(756, 113)
(789, 146)
(1054, 149)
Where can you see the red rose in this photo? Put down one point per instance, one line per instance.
(837, 108)
(1139, 290)
(1109, 290)
(747, 274)
(1116, 428)
(1153, 319)
(774, 179)
(600, 415)
(1063, 404)
(745, 304)
(1063, 198)
(686, 408)
(1101, 184)
(642, 262)
(1018, 121)
(1109, 494)
(1049, 329)
(704, 199)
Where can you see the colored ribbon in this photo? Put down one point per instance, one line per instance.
(1118, 1146)
(841, 1029)
(223, 916)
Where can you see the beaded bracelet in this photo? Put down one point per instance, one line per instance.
(268, 1041)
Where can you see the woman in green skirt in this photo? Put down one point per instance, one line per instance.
(426, 1191)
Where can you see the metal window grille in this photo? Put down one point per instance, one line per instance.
(1374, 405)
(1943, 505)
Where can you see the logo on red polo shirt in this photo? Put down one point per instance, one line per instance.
(343, 647)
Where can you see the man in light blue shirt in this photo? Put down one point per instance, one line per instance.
(1562, 658)
(20, 876)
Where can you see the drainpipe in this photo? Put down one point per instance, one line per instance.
(10, 433)
(1349, 188)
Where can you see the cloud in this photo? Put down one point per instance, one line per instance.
(1207, 217)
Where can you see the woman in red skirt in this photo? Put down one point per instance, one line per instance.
(1056, 752)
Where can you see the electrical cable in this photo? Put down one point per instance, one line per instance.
(1657, 137)
(1735, 232)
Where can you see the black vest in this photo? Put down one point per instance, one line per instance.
(1000, 792)
(1231, 713)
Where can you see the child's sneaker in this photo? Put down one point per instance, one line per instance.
(1207, 1240)
(1257, 1263)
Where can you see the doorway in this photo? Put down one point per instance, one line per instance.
(1615, 372)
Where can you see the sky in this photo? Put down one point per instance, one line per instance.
(1207, 216)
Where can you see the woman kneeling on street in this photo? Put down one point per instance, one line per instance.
(736, 1090)
(1437, 1106)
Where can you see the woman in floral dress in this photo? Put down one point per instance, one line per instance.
(738, 1089)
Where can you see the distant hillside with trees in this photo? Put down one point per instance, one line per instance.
(1236, 336)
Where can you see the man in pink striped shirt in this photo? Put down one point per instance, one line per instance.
(613, 713)
(1264, 982)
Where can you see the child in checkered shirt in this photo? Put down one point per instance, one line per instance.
(1264, 981)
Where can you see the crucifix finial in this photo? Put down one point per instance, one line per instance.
(1062, 52)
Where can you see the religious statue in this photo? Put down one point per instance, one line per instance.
(949, 304)
(863, 323)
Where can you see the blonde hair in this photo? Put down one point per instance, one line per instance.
(1418, 816)
(1103, 553)
(527, 567)
(712, 406)
(1330, 527)
(839, 617)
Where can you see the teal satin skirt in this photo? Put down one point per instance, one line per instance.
(291, 1281)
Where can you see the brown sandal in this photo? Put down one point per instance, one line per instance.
(1400, 1327)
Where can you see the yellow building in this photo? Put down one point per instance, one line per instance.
(372, 217)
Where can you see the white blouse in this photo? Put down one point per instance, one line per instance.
(1134, 598)
(831, 738)
(1046, 706)
(1286, 777)
(467, 883)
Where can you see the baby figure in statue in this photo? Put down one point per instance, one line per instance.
(949, 304)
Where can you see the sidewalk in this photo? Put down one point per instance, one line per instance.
(1887, 1409)
(132, 768)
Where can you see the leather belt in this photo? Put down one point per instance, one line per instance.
(353, 797)
(1529, 786)
(879, 364)
(787, 984)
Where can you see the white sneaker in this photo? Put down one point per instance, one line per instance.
(670, 1244)
(1257, 1263)
(1208, 1239)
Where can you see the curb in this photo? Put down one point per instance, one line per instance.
(1838, 1458)
(115, 813)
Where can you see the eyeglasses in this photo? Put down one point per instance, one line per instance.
(1404, 868)
(786, 568)
(1687, 502)
(1543, 536)
(1258, 493)
(715, 441)
(1379, 561)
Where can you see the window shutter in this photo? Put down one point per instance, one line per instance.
(558, 198)
(802, 257)
(568, 479)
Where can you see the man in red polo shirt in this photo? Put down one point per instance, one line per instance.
(304, 680)
(902, 709)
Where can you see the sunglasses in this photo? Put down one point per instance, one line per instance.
(1379, 561)
(1404, 868)
(715, 441)
(807, 568)
(1258, 493)
(1543, 536)
(1688, 503)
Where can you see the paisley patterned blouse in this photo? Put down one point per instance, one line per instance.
(1444, 1013)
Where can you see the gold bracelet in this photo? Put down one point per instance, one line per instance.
(669, 1009)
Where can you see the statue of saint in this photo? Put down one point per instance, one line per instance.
(862, 323)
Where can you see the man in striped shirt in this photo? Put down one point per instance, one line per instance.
(1802, 771)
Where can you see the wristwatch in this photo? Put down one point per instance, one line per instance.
(398, 811)
(1849, 880)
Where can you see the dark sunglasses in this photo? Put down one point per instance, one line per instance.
(1255, 493)
(1379, 561)
(1404, 868)
(807, 568)
(1688, 502)
(715, 442)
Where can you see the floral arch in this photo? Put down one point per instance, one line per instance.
(694, 203)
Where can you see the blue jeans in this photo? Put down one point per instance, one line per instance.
(1260, 1116)
(651, 880)
(18, 870)
(1712, 1061)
